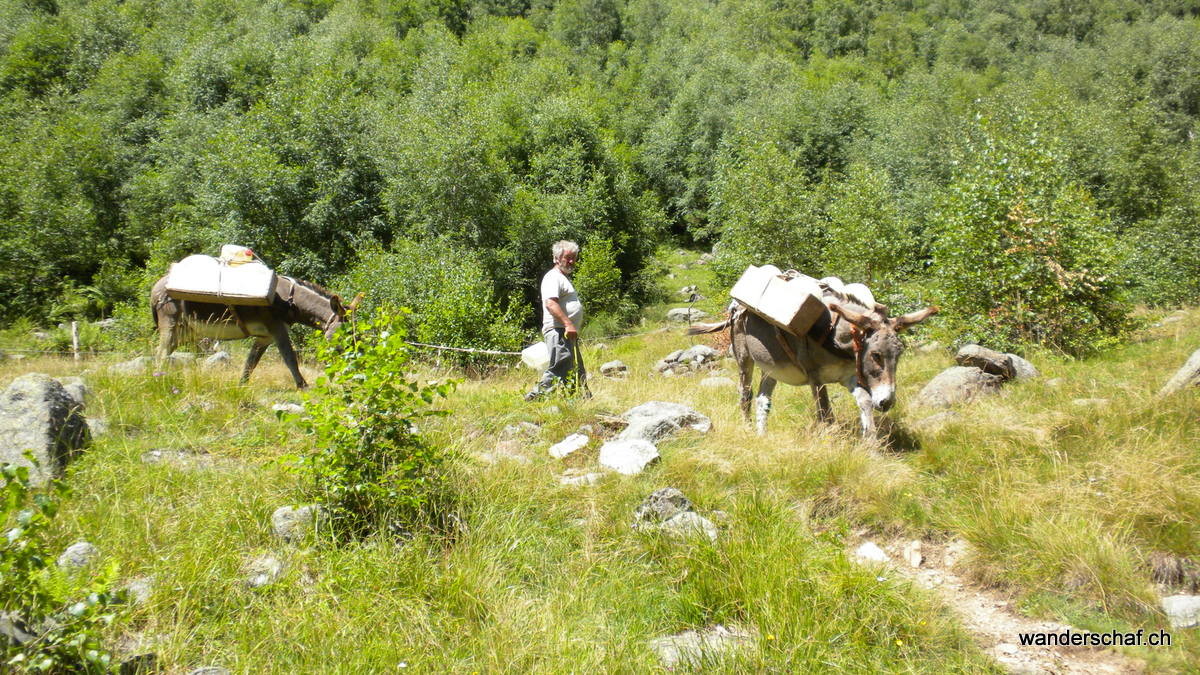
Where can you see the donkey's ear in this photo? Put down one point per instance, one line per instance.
(900, 323)
(863, 321)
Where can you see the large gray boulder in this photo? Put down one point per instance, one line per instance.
(987, 360)
(38, 414)
(958, 384)
(657, 420)
(1022, 369)
(1183, 611)
(1187, 376)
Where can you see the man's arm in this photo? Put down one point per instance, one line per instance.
(556, 310)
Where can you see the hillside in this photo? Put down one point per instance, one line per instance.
(1049, 510)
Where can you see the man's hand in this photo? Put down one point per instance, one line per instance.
(570, 331)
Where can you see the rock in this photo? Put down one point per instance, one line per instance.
(263, 571)
(77, 555)
(717, 382)
(140, 664)
(930, 347)
(958, 384)
(181, 358)
(687, 290)
(987, 360)
(1183, 611)
(97, 426)
(509, 450)
(139, 589)
(37, 414)
(628, 456)
(292, 524)
(956, 551)
(699, 354)
(568, 445)
(614, 369)
(688, 524)
(1055, 382)
(76, 389)
(1090, 402)
(1187, 376)
(520, 430)
(131, 367)
(210, 670)
(662, 505)
(581, 480)
(685, 314)
(657, 420)
(1022, 369)
(14, 630)
(912, 553)
(869, 552)
(692, 648)
(601, 347)
(218, 359)
(288, 408)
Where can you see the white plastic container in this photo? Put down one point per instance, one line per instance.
(791, 304)
(536, 356)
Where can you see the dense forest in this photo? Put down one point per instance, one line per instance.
(1030, 165)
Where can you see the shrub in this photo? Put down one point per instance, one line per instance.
(868, 242)
(1022, 253)
(370, 466)
(447, 289)
(63, 631)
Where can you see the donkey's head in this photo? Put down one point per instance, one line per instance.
(877, 347)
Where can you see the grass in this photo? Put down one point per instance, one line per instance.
(1063, 506)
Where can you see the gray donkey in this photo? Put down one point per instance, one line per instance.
(850, 343)
(295, 301)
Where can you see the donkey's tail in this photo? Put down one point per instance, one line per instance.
(701, 328)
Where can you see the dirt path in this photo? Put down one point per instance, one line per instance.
(994, 623)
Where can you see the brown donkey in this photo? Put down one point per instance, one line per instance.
(295, 301)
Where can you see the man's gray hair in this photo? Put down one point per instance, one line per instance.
(564, 246)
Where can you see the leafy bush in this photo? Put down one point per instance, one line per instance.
(370, 466)
(868, 242)
(63, 632)
(447, 289)
(1022, 254)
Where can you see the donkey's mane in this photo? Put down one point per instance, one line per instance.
(828, 294)
(312, 286)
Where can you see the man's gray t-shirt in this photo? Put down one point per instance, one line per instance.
(556, 285)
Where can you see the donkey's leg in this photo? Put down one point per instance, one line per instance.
(256, 351)
(762, 405)
(866, 408)
(745, 377)
(824, 410)
(284, 343)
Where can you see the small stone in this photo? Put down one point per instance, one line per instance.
(291, 524)
(141, 664)
(657, 420)
(614, 369)
(869, 552)
(288, 408)
(210, 670)
(912, 553)
(689, 524)
(263, 571)
(692, 648)
(629, 456)
(583, 480)
(218, 359)
(1007, 648)
(686, 314)
(180, 358)
(601, 347)
(568, 445)
(1187, 376)
(1183, 611)
(139, 589)
(520, 430)
(77, 555)
(1055, 382)
(1090, 402)
(717, 382)
(97, 426)
(132, 366)
(930, 347)
(662, 505)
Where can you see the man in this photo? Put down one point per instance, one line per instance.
(562, 316)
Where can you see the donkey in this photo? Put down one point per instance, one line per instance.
(849, 343)
(295, 301)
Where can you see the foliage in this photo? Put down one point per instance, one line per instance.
(370, 467)
(1022, 254)
(868, 241)
(64, 631)
(448, 291)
